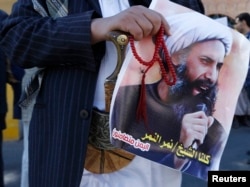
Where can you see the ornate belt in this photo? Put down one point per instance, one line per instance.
(99, 135)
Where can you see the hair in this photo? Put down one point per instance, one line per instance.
(244, 17)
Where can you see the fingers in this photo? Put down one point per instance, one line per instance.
(140, 22)
(195, 127)
(199, 135)
(166, 26)
(210, 121)
(200, 127)
(196, 132)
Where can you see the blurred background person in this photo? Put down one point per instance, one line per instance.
(242, 112)
(3, 108)
(14, 79)
(3, 100)
(11, 74)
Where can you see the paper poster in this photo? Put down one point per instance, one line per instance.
(186, 125)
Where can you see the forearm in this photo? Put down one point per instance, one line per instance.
(40, 41)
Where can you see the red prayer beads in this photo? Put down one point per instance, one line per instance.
(159, 43)
(141, 113)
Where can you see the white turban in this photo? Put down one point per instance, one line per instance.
(189, 28)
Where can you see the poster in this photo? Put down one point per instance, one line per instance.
(184, 126)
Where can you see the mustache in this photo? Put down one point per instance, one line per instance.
(204, 85)
(183, 88)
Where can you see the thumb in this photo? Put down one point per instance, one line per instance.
(210, 121)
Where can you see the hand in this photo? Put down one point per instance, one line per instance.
(194, 128)
(193, 131)
(138, 21)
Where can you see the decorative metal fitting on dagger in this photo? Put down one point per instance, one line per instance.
(122, 39)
